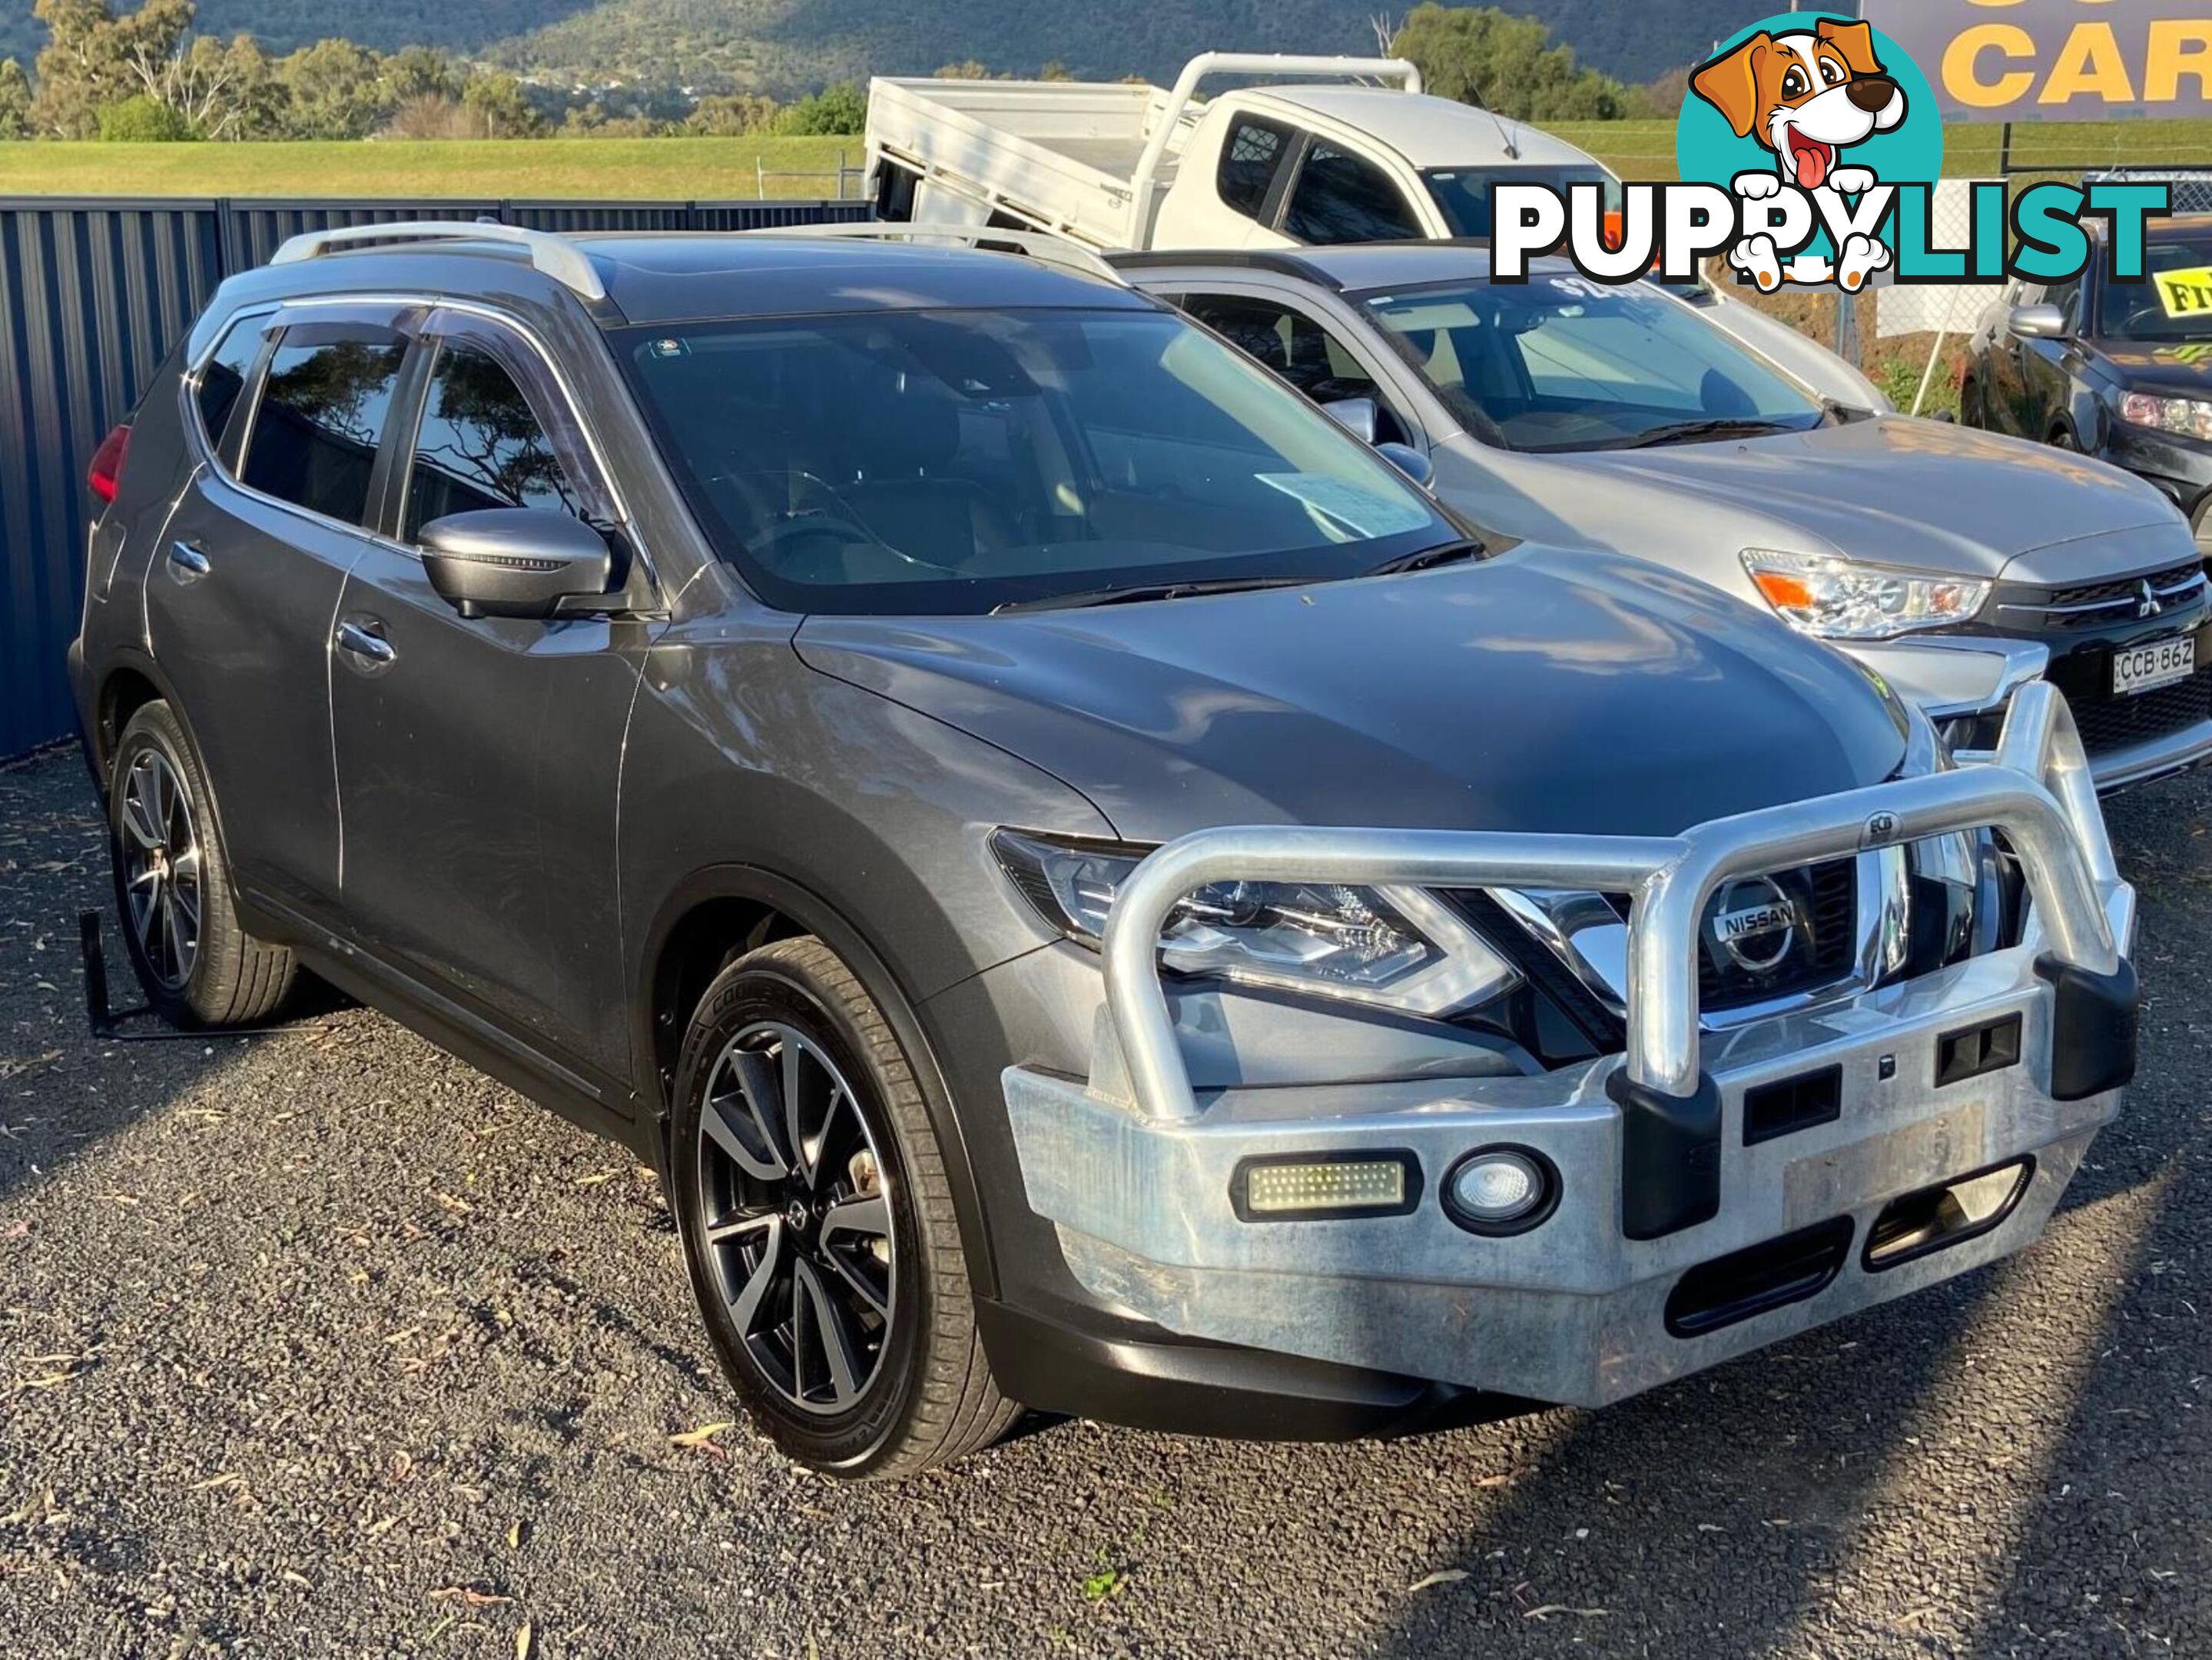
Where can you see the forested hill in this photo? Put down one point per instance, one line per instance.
(790, 46)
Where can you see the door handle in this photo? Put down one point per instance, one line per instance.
(187, 564)
(364, 648)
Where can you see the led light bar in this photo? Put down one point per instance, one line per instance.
(1301, 1187)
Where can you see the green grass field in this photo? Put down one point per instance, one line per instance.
(683, 169)
(664, 169)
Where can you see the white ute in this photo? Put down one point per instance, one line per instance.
(1127, 166)
(1363, 157)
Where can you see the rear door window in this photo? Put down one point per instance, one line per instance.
(1298, 348)
(323, 408)
(1343, 198)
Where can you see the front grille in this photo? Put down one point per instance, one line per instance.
(2109, 723)
(1826, 898)
(1544, 971)
(2090, 604)
(1823, 900)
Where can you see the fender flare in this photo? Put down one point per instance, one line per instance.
(138, 661)
(822, 919)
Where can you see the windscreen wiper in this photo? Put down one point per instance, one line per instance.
(1451, 553)
(1138, 592)
(1690, 432)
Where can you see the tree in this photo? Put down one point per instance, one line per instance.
(422, 72)
(334, 89)
(14, 100)
(732, 115)
(1481, 55)
(838, 109)
(217, 91)
(93, 58)
(142, 119)
(433, 115)
(499, 103)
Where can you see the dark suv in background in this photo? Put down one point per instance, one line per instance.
(870, 727)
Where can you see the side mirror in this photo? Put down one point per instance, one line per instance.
(515, 562)
(1409, 461)
(2037, 322)
(1358, 416)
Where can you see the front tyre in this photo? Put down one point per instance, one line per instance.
(818, 1227)
(197, 964)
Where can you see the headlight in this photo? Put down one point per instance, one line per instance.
(1834, 599)
(2188, 416)
(1400, 947)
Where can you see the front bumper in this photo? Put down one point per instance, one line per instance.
(1658, 1178)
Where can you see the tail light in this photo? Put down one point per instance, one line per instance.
(105, 477)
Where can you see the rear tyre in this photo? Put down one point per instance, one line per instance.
(197, 964)
(818, 1227)
(2061, 438)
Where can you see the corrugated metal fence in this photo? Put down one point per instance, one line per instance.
(92, 295)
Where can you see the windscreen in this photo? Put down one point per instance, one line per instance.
(1463, 194)
(916, 462)
(2150, 310)
(1564, 363)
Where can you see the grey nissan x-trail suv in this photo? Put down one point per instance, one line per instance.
(1095, 891)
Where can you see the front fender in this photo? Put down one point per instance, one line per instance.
(750, 777)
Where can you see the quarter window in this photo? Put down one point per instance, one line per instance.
(1342, 197)
(322, 417)
(1247, 167)
(480, 446)
(223, 377)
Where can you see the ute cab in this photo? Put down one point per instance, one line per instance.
(1355, 152)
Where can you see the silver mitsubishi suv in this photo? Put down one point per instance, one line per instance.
(1096, 893)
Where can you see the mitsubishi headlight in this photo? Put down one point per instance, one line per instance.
(1834, 599)
(1402, 948)
(2191, 417)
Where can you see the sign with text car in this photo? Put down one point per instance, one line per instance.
(2058, 60)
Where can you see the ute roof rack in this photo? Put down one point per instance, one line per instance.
(559, 258)
(1039, 245)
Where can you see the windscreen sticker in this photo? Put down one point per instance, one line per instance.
(1423, 315)
(1362, 511)
(2185, 293)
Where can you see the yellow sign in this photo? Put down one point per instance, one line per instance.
(2185, 293)
(2057, 60)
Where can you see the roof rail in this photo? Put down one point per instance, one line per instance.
(559, 259)
(1038, 245)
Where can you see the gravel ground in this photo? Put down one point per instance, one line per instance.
(325, 1344)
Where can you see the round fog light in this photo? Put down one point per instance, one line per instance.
(1501, 1191)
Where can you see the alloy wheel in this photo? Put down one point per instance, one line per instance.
(160, 853)
(797, 1228)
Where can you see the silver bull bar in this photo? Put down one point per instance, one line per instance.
(2037, 790)
(1663, 1186)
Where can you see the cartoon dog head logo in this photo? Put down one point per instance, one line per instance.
(1805, 104)
(1808, 97)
